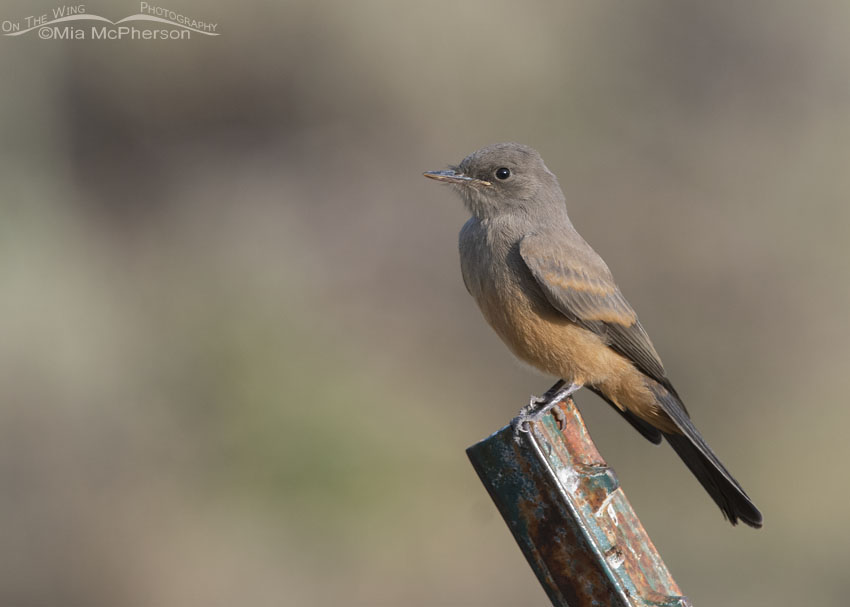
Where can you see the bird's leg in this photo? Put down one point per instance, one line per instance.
(536, 402)
(551, 392)
(539, 406)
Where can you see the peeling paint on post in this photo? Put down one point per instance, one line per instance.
(570, 517)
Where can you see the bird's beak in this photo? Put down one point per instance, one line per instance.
(452, 176)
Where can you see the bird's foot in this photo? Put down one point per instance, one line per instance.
(539, 406)
(525, 415)
(560, 418)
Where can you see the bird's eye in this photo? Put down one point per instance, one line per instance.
(503, 173)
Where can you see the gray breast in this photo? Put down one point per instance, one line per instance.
(493, 271)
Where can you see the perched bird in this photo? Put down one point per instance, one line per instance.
(552, 300)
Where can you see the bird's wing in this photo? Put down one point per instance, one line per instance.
(579, 285)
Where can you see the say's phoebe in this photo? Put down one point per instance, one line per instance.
(553, 301)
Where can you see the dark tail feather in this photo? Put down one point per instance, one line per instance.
(723, 489)
(701, 460)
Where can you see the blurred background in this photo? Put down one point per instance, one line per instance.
(239, 365)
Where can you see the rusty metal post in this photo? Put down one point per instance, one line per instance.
(570, 517)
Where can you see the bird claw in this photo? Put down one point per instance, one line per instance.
(539, 406)
(519, 424)
(529, 413)
(560, 418)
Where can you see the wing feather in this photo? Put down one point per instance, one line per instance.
(578, 284)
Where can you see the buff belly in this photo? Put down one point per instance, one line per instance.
(553, 344)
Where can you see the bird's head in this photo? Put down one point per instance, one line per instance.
(504, 178)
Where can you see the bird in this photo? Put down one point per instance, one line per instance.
(553, 301)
